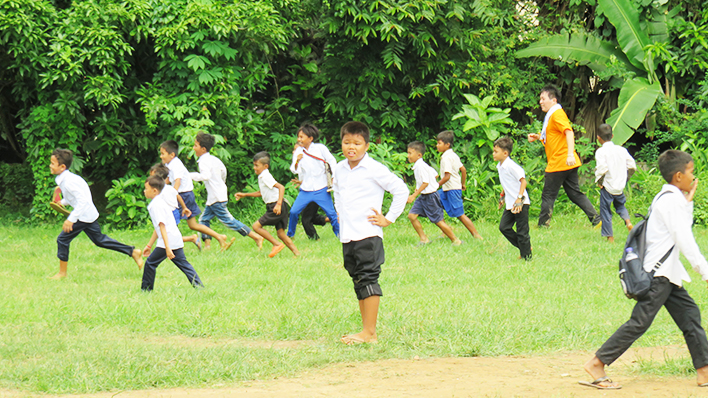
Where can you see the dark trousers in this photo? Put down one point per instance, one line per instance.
(363, 260)
(682, 309)
(606, 201)
(519, 238)
(159, 255)
(311, 217)
(569, 180)
(93, 231)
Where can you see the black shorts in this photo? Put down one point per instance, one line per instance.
(280, 221)
(363, 259)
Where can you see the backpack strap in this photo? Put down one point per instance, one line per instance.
(312, 156)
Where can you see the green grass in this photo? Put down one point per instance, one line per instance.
(97, 331)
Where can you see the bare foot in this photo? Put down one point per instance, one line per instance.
(58, 276)
(138, 257)
(259, 242)
(478, 236)
(276, 250)
(207, 245)
(359, 338)
(702, 376)
(195, 239)
(457, 242)
(222, 241)
(596, 370)
(610, 239)
(226, 246)
(296, 253)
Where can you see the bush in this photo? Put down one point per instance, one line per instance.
(16, 189)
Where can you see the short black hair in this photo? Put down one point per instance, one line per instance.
(417, 146)
(310, 130)
(505, 144)
(447, 137)
(171, 146)
(604, 131)
(64, 156)
(552, 91)
(160, 170)
(262, 157)
(156, 182)
(355, 128)
(205, 140)
(672, 162)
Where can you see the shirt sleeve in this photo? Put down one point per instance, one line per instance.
(631, 164)
(601, 166)
(393, 184)
(445, 166)
(204, 172)
(294, 169)
(269, 180)
(335, 189)
(678, 218)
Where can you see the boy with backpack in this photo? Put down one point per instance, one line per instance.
(668, 230)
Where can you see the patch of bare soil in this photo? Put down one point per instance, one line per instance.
(533, 376)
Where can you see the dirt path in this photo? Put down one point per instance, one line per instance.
(542, 376)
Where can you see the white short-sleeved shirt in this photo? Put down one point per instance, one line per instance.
(169, 195)
(161, 213)
(178, 171)
(358, 190)
(451, 163)
(510, 175)
(213, 172)
(266, 184)
(75, 192)
(612, 162)
(424, 173)
(310, 170)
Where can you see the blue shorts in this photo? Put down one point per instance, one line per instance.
(452, 202)
(430, 206)
(188, 198)
(178, 216)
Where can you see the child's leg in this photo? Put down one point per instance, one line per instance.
(522, 232)
(205, 219)
(619, 203)
(288, 242)
(606, 200)
(470, 226)
(194, 239)
(195, 226)
(156, 257)
(447, 230)
(181, 262)
(93, 230)
(303, 199)
(418, 228)
(265, 234)
(307, 217)
(324, 200)
(362, 260)
(506, 227)
(687, 316)
(222, 212)
(63, 242)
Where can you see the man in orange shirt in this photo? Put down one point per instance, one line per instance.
(563, 162)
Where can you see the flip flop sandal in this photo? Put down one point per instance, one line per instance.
(59, 208)
(596, 384)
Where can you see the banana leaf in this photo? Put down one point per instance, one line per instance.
(636, 98)
(631, 37)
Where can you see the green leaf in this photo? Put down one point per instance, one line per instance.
(311, 67)
(636, 98)
(632, 38)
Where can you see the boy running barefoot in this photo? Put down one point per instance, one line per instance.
(359, 184)
(277, 213)
(84, 216)
(428, 203)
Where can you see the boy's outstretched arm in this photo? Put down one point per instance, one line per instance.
(239, 195)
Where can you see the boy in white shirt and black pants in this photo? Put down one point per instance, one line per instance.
(614, 166)
(515, 198)
(668, 231)
(359, 185)
(169, 239)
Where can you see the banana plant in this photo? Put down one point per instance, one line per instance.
(638, 93)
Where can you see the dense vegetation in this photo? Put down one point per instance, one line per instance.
(111, 79)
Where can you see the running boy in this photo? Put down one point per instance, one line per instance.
(452, 184)
(359, 185)
(515, 198)
(668, 232)
(428, 203)
(182, 182)
(169, 241)
(174, 201)
(213, 172)
(276, 214)
(84, 215)
(614, 167)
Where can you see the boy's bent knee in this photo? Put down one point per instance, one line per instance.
(364, 292)
(412, 216)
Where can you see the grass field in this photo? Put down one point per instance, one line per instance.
(260, 318)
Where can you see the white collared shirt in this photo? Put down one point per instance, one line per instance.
(169, 195)
(424, 173)
(266, 184)
(161, 213)
(451, 163)
(178, 171)
(75, 192)
(613, 161)
(670, 225)
(213, 172)
(312, 171)
(358, 190)
(510, 175)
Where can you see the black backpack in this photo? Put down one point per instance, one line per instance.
(634, 279)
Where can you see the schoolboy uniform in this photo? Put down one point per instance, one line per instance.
(161, 213)
(356, 192)
(186, 186)
(510, 175)
(451, 193)
(314, 183)
(668, 228)
(213, 172)
(76, 193)
(428, 203)
(613, 162)
(270, 194)
(169, 195)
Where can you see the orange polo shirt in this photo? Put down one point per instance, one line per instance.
(556, 145)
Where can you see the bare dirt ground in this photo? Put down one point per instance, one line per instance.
(534, 376)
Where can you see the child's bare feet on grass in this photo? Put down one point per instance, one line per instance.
(138, 257)
(610, 239)
(359, 338)
(478, 236)
(259, 242)
(226, 246)
(195, 239)
(58, 276)
(457, 242)
(276, 250)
